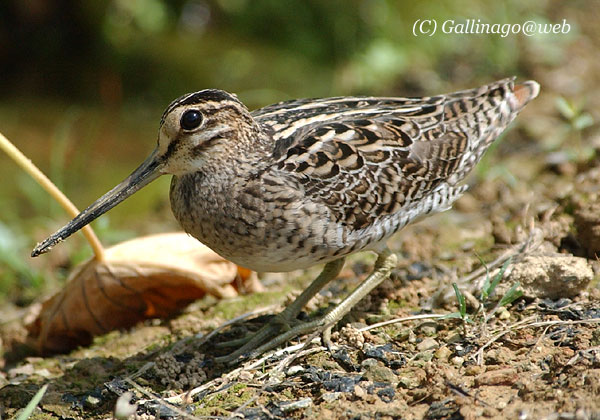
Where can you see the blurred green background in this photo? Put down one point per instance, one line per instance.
(83, 84)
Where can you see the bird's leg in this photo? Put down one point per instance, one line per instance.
(330, 272)
(386, 262)
(286, 317)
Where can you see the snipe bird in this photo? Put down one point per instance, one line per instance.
(311, 181)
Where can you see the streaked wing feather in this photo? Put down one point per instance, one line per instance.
(367, 158)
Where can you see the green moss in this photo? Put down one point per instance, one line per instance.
(318, 359)
(41, 416)
(394, 305)
(230, 308)
(222, 403)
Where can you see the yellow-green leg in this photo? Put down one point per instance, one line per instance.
(385, 263)
(383, 267)
(287, 317)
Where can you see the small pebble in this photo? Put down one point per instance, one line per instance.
(368, 363)
(429, 330)
(246, 376)
(91, 402)
(359, 391)
(427, 344)
(503, 313)
(288, 406)
(331, 396)
(123, 407)
(458, 360)
(27, 370)
(381, 374)
(424, 356)
(443, 353)
(506, 376)
(294, 370)
(409, 381)
(473, 370)
(402, 335)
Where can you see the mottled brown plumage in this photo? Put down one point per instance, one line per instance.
(310, 181)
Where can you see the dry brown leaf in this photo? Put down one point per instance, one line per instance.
(149, 277)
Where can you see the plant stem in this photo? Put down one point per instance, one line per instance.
(26, 164)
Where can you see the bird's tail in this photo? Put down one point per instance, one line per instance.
(522, 94)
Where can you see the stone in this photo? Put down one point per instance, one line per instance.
(443, 353)
(457, 360)
(427, 344)
(378, 373)
(506, 376)
(289, 406)
(331, 396)
(550, 277)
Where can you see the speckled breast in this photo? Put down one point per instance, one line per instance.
(254, 231)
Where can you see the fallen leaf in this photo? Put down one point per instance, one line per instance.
(150, 277)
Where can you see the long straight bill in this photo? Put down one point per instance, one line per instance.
(147, 172)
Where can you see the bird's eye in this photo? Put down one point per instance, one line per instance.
(191, 119)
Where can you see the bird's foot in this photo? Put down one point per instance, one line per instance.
(276, 323)
(275, 332)
(251, 344)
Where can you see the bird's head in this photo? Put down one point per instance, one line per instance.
(195, 129)
(199, 127)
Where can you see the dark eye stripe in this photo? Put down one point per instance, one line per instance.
(172, 147)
